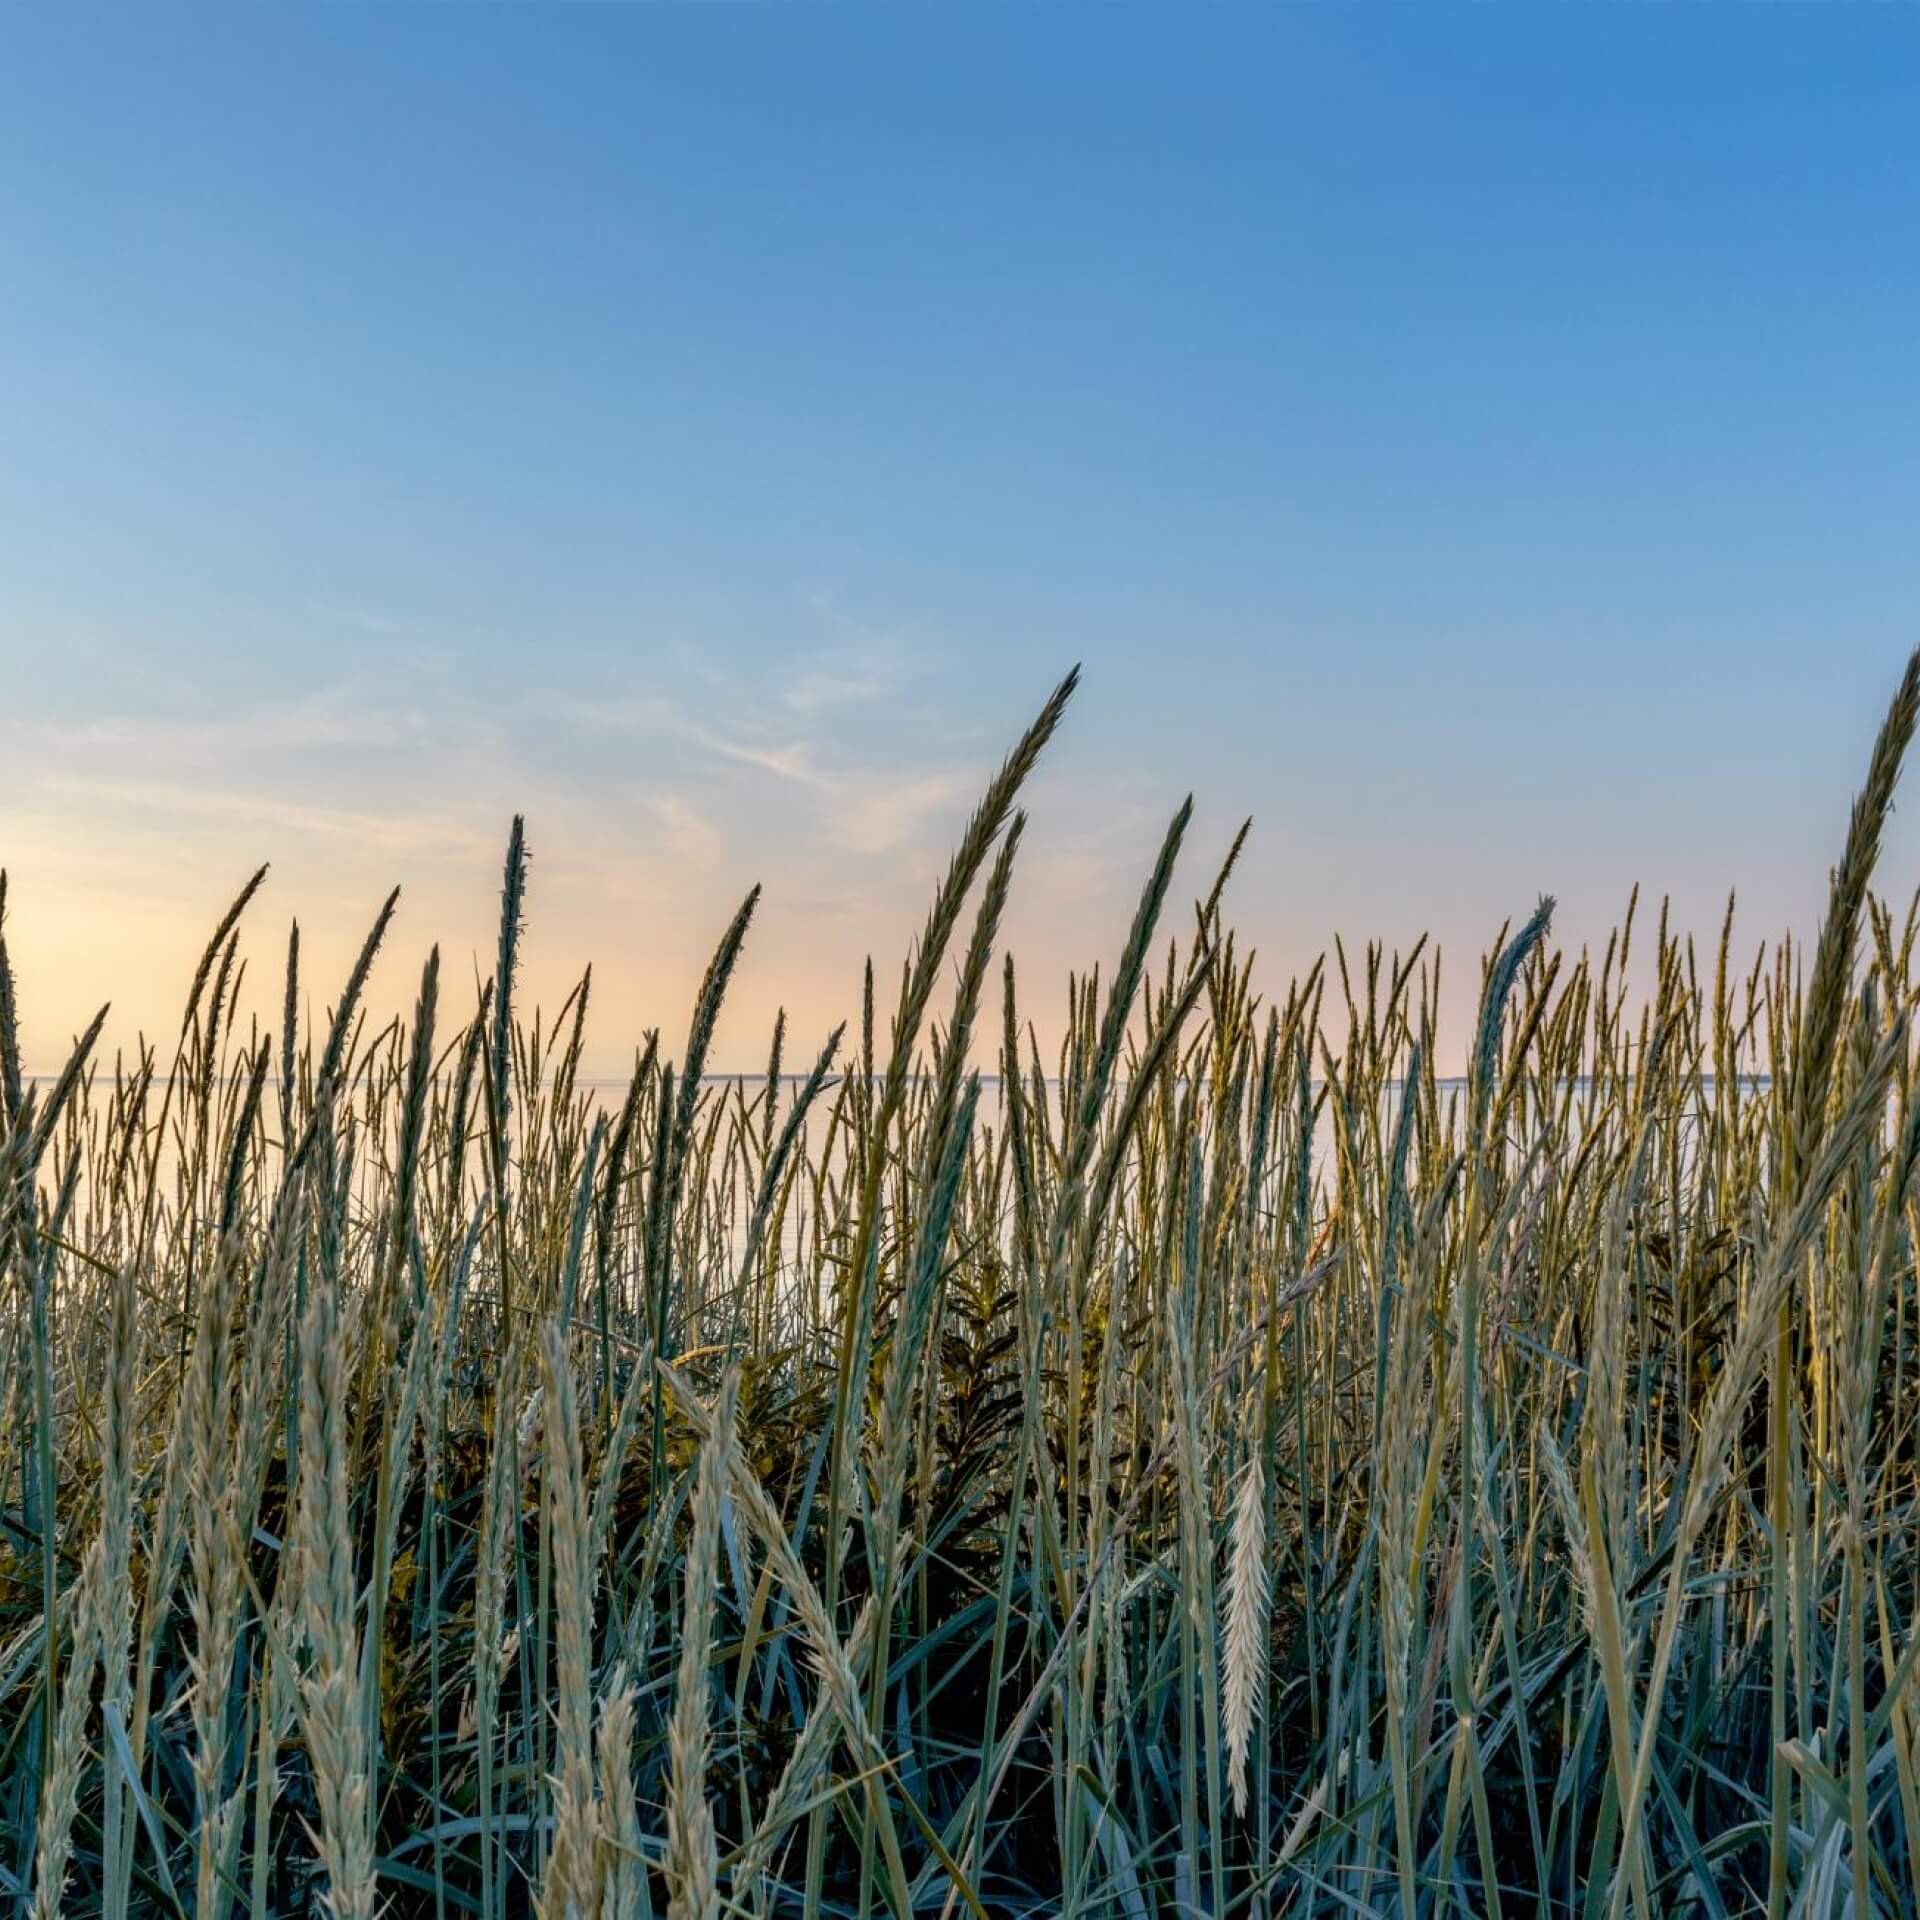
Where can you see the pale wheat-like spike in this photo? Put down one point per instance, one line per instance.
(622, 1867)
(571, 1864)
(1604, 1424)
(214, 1600)
(807, 1764)
(914, 1323)
(166, 1545)
(1400, 1450)
(490, 1595)
(256, 1428)
(692, 1862)
(640, 1384)
(1244, 1625)
(1400, 1453)
(66, 1760)
(118, 1440)
(335, 1734)
(1560, 1480)
(513, 893)
(837, 1664)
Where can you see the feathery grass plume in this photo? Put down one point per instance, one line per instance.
(976, 841)
(256, 1429)
(216, 945)
(289, 1037)
(1597, 1590)
(779, 1156)
(118, 1443)
(770, 1110)
(691, 1861)
(982, 830)
(211, 1038)
(796, 1790)
(395, 1311)
(834, 1660)
(266, 1326)
(513, 893)
(1493, 1001)
(42, 1506)
(948, 1129)
(1210, 908)
(574, 1255)
(411, 1380)
(1573, 1526)
(612, 1185)
(323, 1538)
(640, 1386)
(215, 1591)
(10, 1080)
(571, 1886)
(669, 1179)
(166, 1544)
(1401, 1451)
(500, 1060)
(53, 1851)
(621, 1872)
(1604, 1418)
(413, 1113)
(48, 1115)
(660, 1154)
(954, 1045)
(1858, 1312)
(1829, 983)
(1120, 1000)
(492, 1573)
(1161, 1047)
(459, 1109)
(340, 1028)
(1243, 1625)
(1026, 1205)
(240, 1147)
(915, 1324)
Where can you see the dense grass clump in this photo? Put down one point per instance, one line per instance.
(1226, 1468)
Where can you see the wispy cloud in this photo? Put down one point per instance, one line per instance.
(329, 719)
(821, 728)
(796, 760)
(373, 621)
(689, 835)
(162, 807)
(860, 664)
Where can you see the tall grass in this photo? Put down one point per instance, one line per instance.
(1220, 1467)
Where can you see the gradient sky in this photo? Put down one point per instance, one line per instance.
(1483, 445)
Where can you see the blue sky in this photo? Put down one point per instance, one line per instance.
(1482, 444)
